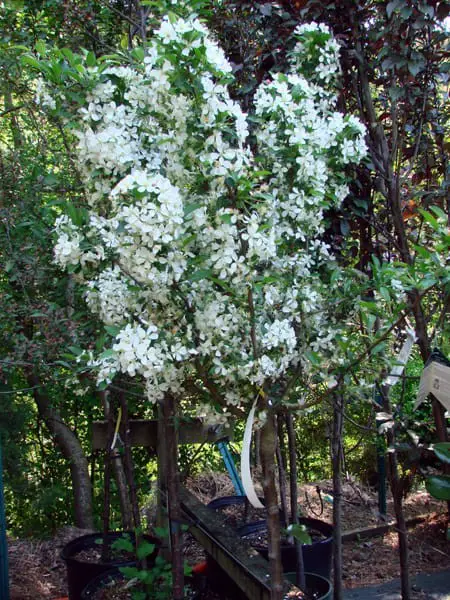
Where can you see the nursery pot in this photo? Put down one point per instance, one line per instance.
(315, 584)
(316, 556)
(109, 578)
(226, 501)
(80, 572)
(100, 582)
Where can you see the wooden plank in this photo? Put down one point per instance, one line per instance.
(144, 432)
(244, 565)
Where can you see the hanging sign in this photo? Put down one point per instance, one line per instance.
(435, 380)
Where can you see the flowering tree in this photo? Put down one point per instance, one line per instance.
(201, 248)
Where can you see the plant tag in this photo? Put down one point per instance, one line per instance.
(402, 358)
(435, 380)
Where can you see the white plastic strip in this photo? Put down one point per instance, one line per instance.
(402, 358)
(246, 475)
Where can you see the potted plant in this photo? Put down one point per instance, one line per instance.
(92, 555)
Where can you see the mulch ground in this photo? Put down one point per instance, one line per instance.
(37, 572)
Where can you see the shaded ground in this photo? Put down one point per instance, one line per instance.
(37, 572)
(434, 586)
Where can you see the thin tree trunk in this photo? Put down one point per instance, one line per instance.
(173, 495)
(281, 470)
(402, 531)
(119, 474)
(129, 468)
(268, 449)
(336, 458)
(397, 494)
(293, 475)
(70, 447)
(106, 548)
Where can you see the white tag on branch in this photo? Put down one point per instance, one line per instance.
(435, 380)
(402, 358)
(385, 426)
(246, 474)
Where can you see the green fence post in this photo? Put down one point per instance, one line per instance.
(4, 578)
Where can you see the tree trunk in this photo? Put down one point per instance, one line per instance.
(129, 467)
(268, 449)
(173, 495)
(397, 494)
(281, 470)
(300, 567)
(336, 458)
(70, 447)
(402, 531)
(119, 474)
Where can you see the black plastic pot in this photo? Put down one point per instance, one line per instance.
(316, 556)
(80, 572)
(226, 501)
(316, 584)
(100, 582)
(114, 576)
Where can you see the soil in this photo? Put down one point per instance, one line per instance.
(95, 555)
(115, 590)
(38, 573)
(259, 538)
(238, 515)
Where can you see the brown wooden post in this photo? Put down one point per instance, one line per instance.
(161, 492)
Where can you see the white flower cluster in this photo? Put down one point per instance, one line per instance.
(202, 249)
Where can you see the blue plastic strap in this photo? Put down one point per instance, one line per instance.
(231, 467)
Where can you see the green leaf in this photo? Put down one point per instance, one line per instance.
(145, 549)
(138, 54)
(129, 572)
(313, 357)
(112, 329)
(300, 533)
(189, 208)
(439, 486)
(226, 219)
(428, 217)
(107, 353)
(414, 67)
(31, 61)
(161, 532)
(124, 544)
(40, 48)
(440, 214)
(442, 451)
(200, 274)
(76, 350)
(421, 251)
(50, 180)
(384, 293)
(90, 59)
(392, 6)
